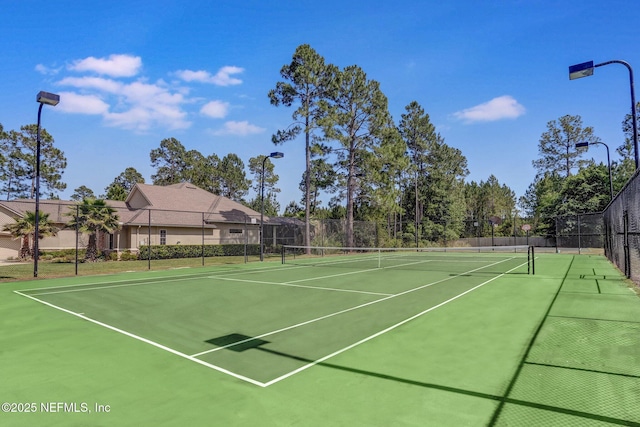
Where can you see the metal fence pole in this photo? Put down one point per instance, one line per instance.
(579, 235)
(246, 239)
(203, 239)
(149, 242)
(77, 231)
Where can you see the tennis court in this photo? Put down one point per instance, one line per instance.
(329, 338)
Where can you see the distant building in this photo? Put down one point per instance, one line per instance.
(179, 214)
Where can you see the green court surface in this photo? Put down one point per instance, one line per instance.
(445, 340)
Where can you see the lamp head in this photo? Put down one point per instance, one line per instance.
(276, 155)
(581, 70)
(582, 144)
(48, 98)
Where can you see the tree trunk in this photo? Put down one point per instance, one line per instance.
(32, 249)
(92, 250)
(25, 250)
(307, 184)
(350, 187)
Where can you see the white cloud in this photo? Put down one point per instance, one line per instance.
(47, 71)
(239, 128)
(82, 104)
(103, 87)
(194, 76)
(502, 107)
(137, 106)
(221, 78)
(215, 109)
(114, 65)
(98, 83)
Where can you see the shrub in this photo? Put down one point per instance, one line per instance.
(195, 251)
(63, 253)
(128, 256)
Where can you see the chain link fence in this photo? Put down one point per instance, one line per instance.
(575, 233)
(622, 229)
(143, 239)
(582, 231)
(138, 239)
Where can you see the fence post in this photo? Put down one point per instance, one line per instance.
(579, 235)
(77, 231)
(149, 241)
(246, 239)
(203, 239)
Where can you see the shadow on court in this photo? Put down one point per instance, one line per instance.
(239, 343)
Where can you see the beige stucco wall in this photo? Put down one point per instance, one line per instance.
(5, 218)
(9, 247)
(133, 237)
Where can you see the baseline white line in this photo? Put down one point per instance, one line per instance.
(147, 341)
(384, 331)
(137, 279)
(291, 284)
(139, 282)
(317, 319)
(153, 280)
(65, 291)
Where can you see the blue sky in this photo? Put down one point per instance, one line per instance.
(490, 74)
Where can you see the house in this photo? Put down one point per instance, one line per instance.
(178, 214)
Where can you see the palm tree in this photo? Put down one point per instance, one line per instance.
(93, 216)
(24, 228)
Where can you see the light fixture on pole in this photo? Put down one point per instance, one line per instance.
(275, 155)
(586, 144)
(586, 69)
(53, 100)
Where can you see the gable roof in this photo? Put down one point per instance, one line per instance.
(180, 205)
(186, 197)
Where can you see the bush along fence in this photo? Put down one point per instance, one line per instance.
(155, 252)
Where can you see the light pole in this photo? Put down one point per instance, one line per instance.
(586, 69)
(49, 99)
(275, 155)
(586, 144)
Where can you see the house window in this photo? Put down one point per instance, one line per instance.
(163, 237)
(235, 230)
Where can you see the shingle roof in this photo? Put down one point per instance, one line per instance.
(174, 205)
(186, 197)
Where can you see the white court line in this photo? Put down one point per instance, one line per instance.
(343, 311)
(291, 284)
(142, 280)
(137, 279)
(358, 272)
(145, 340)
(194, 358)
(94, 288)
(384, 331)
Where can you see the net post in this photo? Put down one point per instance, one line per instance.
(531, 260)
(282, 253)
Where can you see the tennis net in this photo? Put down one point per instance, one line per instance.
(490, 259)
